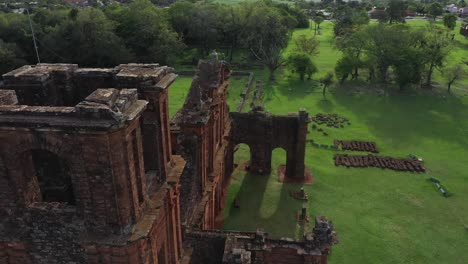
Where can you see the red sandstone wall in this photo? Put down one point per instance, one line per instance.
(102, 167)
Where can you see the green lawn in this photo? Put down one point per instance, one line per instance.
(381, 216)
(179, 91)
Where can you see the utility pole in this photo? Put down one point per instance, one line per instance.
(33, 36)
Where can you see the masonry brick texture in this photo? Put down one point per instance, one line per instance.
(93, 171)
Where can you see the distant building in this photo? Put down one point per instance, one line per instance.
(452, 9)
(463, 12)
(375, 13)
(81, 3)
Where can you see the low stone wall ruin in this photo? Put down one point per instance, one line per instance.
(354, 145)
(363, 161)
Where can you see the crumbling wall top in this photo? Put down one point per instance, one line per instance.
(104, 108)
(8, 97)
(39, 72)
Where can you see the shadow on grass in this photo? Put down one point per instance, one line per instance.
(281, 223)
(409, 119)
(294, 88)
(326, 105)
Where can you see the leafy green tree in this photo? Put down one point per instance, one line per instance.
(436, 44)
(11, 57)
(295, 13)
(307, 45)
(383, 45)
(434, 10)
(317, 20)
(232, 27)
(396, 11)
(452, 74)
(266, 34)
(146, 31)
(14, 28)
(349, 20)
(326, 81)
(89, 40)
(344, 67)
(450, 21)
(301, 64)
(408, 67)
(352, 46)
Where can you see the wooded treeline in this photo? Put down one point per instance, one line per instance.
(142, 32)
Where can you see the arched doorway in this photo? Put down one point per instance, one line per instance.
(53, 177)
(279, 161)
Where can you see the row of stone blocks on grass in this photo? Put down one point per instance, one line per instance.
(379, 162)
(354, 145)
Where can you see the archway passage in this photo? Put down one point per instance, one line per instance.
(264, 132)
(242, 157)
(53, 176)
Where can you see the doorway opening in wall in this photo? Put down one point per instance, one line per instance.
(53, 176)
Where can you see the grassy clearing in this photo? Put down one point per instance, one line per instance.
(381, 216)
(179, 91)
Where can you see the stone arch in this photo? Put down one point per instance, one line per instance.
(279, 158)
(242, 155)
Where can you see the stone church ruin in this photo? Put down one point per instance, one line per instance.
(92, 169)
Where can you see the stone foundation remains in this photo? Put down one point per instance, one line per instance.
(354, 145)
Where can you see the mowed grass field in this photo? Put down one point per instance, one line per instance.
(381, 216)
(179, 91)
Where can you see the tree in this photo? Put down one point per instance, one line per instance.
(421, 8)
(344, 67)
(146, 31)
(301, 64)
(307, 45)
(232, 28)
(15, 29)
(396, 11)
(326, 81)
(435, 9)
(453, 73)
(408, 67)
(435, 44)
(11, 57)
(352, 46)
(317, 20)
(266, 34)
(384, 45)
(450, 21)
(88, 40)
(349, 20)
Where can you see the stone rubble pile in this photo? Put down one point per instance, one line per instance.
(330, 120)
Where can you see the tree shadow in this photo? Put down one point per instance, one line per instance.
(326, 105)
(253, 186)
(301, 88)
(283, 222)
(409, 119)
